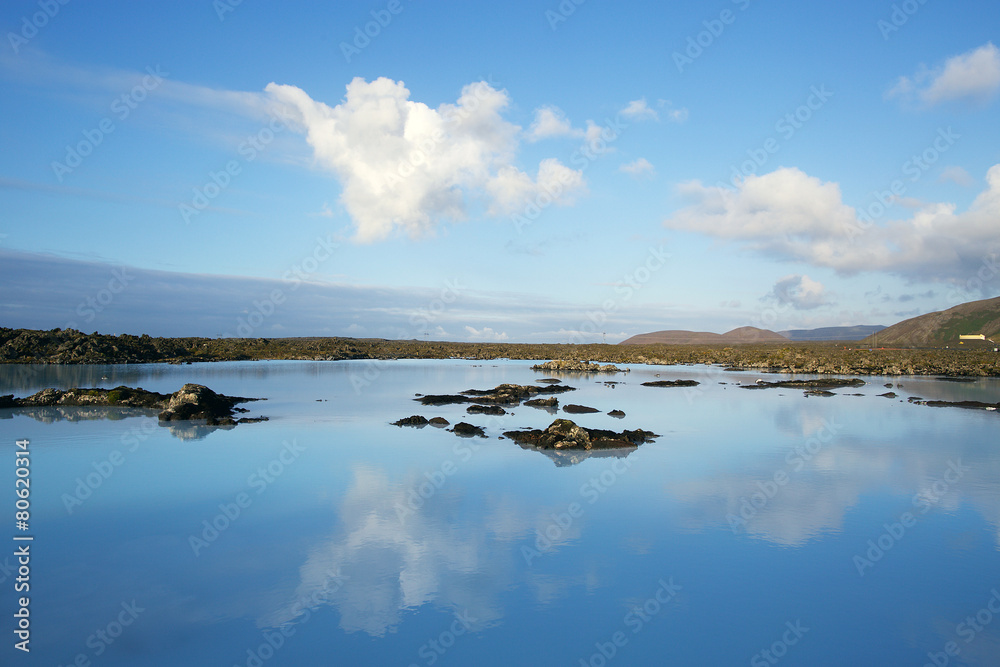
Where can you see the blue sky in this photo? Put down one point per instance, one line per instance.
(531, 171)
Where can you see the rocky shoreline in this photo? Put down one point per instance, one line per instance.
(67, 346)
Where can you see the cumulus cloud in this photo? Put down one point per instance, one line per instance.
(800, 292)
(551, 122)
(486, 334)
(638, 167)
(405, 167)
(639, 110)
(972, 76)
(789, 215)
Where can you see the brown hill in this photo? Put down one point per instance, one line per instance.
(742, 335)
(945, 326)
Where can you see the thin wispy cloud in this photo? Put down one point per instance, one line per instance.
(973, 76)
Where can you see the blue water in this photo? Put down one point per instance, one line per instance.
(762, 527)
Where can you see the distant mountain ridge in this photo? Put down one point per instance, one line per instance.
(945, 326)
(858, 332)
(741, 335)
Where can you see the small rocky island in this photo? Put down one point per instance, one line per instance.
(190, 402)
(563, 440)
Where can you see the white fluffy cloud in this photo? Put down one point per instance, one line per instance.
(638, 167)
(787, 214)
(972, 76)
(486, 334)
(639, 110)
(551, 122)
(800, 292)
(405, 167)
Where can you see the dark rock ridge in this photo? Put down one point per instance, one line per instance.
(821, 383)
(575, 409)
(551, 402)
(485, 410)
(416, 420)
(617, 414)
(467, 430)
(968, 405)
(577, 367)
(504, 394)
(190, 402)
(565, 434)
(671, 383)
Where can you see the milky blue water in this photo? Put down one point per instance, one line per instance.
(763, 527)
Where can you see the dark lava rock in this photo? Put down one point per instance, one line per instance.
(466, 430)
(617, 414)
(504, 394)
(442, 399)
(549, 381)
(416, 420)
(579, 409)
(672, 383)
(192, 401)
(888, 394)
(819, 392)
(565, 434)
(888, 385)
(439, 422)
(968, 405)
(577, 367)
(485, 410)
(545, 403)
(195, 401)
(821, 383)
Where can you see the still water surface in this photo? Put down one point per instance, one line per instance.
(763, 527)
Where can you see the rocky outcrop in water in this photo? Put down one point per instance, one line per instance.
(577, 367)
(565, 434)
(671, 383)
(504, 394)
(191, 402)
(820, 383)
